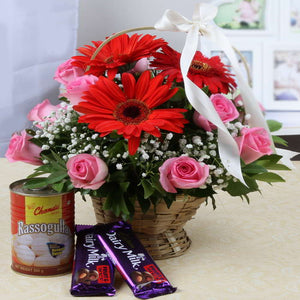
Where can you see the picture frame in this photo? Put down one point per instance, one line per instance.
(237, 19)
(282, 85)
(289, 19)
(252, 55)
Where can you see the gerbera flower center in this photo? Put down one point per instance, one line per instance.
(109, 60)
(199, 66)
(132, 111)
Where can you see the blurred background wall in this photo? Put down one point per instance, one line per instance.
(36, 36)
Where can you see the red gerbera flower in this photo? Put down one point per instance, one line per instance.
(131, 110)
(169, 61)
(119, 51)
(210, 72)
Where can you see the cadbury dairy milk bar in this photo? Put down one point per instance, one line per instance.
(132, 260)
(93, 271)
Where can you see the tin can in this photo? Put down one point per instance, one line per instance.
(42, 227)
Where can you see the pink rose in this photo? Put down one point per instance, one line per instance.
(66, 72)
(21, 149)
(238, 100)
(225, 109)
(182, 172)
(76, 88)
(253, 143)
(42, 110)
(202, 122)
(141, 65)
(87, 171)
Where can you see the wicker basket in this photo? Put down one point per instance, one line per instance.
(161, 230)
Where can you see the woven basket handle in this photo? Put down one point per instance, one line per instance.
(153, 28)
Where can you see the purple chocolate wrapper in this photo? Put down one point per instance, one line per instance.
(93, 271)
(132, 260)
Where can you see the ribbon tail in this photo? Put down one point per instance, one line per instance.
(228, 148)
(286, 157)
(251, 104)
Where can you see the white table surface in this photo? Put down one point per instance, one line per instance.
(238, 251)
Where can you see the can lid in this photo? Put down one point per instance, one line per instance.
(18, 188)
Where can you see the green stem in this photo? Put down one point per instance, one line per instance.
(116, 35)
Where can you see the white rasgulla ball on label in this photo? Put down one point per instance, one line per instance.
(59, 238)
(39, 246)
(25, 255)
(46, 261)
(25, 239)
(39, 235)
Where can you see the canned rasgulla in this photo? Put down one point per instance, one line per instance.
(42, 226)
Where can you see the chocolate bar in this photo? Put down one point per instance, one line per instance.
(93, 271)
(132, 260)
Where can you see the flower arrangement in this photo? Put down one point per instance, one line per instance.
(124, 129)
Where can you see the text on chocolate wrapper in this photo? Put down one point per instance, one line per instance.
(49, 228)
(135, 259)
(93, 255)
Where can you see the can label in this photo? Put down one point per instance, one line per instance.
(42, 233)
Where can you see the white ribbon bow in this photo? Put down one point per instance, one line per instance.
(202, 22)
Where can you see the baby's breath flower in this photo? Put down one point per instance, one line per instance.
(145, 156)
(125, 155)
(169, 136)
(105, 153)
(247, 117)
(119, 166)
(197, 140)
(213, 153)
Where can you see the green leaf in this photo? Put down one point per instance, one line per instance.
(237, 188)
(59, 187)
(144, 203)
(36, 174)
(56, 177)
(274, 125)
(36, 183)
(179, 96)
(58, 159)
(169, 199)
(279, 140)
(115, 201)
(208, 192)
(268, 160)
(124, 186)
(148, 188)
(268, 177)
(44, 168)
(118, 147)
(117, 177)
(279, 167)
(156, 184)
(254, 169)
